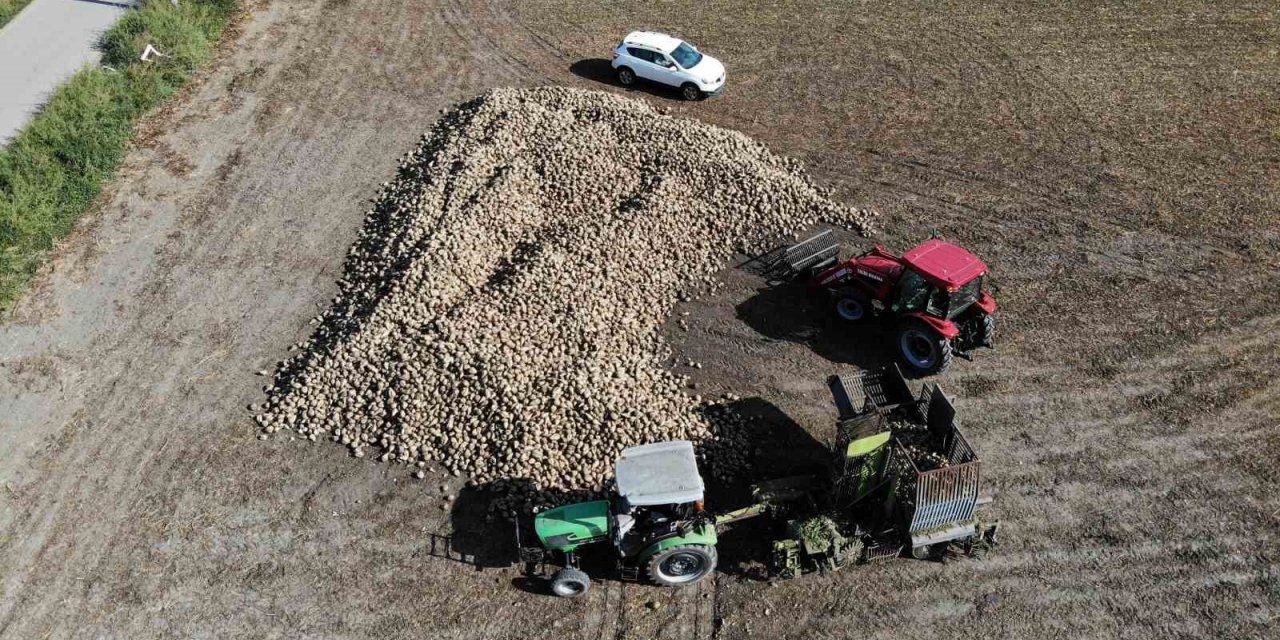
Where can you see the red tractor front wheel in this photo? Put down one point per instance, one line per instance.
(922, 349)
(988, 333)
(851, 306)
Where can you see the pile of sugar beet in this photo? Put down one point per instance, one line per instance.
(499, 312)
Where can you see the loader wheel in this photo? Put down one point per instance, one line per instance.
(923, 552)
(682, 564)
(626, 77)
(922, 349)
(570, 583)
(851, 307)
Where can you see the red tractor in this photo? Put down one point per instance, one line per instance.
(931, 294)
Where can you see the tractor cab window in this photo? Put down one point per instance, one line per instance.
(944, 304)
(938, 302)
(913, 292)
(964, 297)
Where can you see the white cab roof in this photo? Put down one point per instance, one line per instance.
(654, 40)
(659, 473)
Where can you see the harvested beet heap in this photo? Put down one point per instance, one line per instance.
(500, 310)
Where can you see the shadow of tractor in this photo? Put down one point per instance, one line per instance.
(484, 522)
(794, 312)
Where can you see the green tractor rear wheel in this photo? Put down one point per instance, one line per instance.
(570, 582)
(682, 564)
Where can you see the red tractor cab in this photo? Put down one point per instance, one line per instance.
(932, 295)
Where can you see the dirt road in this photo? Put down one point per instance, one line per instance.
(1120, 180)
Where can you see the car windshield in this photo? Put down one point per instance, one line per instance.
(686, 56)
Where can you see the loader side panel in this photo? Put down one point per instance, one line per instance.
(864, 391)
(864, 462)
(945, 497)
(941, 417)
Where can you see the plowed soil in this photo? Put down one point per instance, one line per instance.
(1116, 166)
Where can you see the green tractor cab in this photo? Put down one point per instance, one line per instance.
(654, 523)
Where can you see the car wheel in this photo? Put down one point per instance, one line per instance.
(923, 552)
(626, 77)
(690, 91)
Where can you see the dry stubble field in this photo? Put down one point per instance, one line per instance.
(1116, 164)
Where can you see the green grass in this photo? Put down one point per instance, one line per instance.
(10, 8)
(52, 171)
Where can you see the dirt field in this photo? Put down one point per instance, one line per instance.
(1117, 166)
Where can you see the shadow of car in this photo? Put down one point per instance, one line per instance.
(601, 70)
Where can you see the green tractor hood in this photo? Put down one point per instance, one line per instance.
(573, 525)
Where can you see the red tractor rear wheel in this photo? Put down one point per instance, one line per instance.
(922, 349)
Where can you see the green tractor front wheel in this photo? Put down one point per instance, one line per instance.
(682, 564)
(570, 582)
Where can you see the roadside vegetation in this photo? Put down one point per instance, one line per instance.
(53, 169)
(10, 8)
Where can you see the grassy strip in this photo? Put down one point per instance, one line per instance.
(9, 9)
(55, 167)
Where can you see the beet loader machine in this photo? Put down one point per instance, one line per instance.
(903, 481)
(932, 295)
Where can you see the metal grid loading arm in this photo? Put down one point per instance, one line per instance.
(815, 252)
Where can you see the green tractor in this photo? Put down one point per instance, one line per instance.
(654, 523)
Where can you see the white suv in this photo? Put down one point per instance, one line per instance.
(660, 58)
